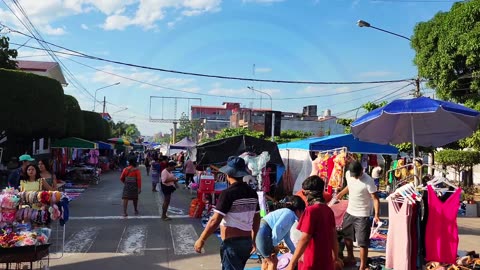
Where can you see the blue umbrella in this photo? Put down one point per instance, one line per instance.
(422, 121)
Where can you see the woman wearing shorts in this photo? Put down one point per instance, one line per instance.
(274, 228)
(168, 181)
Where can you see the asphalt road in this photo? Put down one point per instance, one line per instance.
(98, 237)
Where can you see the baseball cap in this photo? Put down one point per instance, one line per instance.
(26, 158)
(355, 169)
(235, 167)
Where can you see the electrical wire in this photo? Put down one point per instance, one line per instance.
(223, 96)
(34, 33)
(80, 54)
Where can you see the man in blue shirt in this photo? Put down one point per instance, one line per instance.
(16, 175)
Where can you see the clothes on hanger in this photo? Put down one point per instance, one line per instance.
(398, 253)
(441, 232)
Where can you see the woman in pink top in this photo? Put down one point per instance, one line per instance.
(441, 234)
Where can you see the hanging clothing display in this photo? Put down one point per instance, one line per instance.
(330, 166)
(398, 239)
(316, 166)
(336, 179)
(372, 160)
(94, 154)
(441, 233)
(323, 167)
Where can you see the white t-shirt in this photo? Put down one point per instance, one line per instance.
(360, 202)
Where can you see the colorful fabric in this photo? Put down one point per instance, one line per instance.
(336, 179)
(441, 234)
(398, 239)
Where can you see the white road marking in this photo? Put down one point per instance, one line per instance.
(129, 217)
(81, 241)
(133, 240)
(183, 237)
(172, 211)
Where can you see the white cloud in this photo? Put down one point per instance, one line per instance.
(149, 12)
(263, 69)
(375, 74)
(142, 76)
(146, 13)
(49, 30)
(84, 26)
(116, 22)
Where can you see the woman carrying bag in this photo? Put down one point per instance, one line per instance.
(132, 181)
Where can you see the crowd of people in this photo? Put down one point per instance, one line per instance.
(31, 176)
(244, 232)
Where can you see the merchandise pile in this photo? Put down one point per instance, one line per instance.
(25, 216)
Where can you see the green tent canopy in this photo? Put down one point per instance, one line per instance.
(74, 143)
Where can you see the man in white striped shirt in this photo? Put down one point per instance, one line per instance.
(238, 214)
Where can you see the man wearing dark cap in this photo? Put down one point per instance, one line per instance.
(356, 223)
(238, 214)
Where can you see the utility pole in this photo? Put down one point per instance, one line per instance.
(174, 132)
(104, 103)
(417, 88)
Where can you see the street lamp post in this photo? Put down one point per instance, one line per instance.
(271, 108)
(95, 101)
(362, 23)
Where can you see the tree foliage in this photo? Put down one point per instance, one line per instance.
(124, 130)
(74, 124)
(7, 55)
(285, 135)
(95, 127)
(188, 128)
(458, 159)
(448, 52)
(32, 105)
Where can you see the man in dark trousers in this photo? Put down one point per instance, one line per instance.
(238, 214)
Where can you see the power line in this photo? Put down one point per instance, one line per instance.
(34, 32)
(80, 54)
(224, 96)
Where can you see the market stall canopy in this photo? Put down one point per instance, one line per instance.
(74, 143)
(104, 145)
(119, 141)
(185, 143)
(342, 140)
(217, 152)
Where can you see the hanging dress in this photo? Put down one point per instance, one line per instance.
(398, 237)
(441, 233)
(336, 179)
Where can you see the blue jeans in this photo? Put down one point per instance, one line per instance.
(234, 252)
(264, 240)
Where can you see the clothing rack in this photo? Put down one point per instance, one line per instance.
(332, 150)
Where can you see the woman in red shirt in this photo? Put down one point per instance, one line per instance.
(132, 185)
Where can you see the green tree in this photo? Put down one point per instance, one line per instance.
(121, 129)
(458, 159)
(188, 128)
(292, 135)
(447, 51)
(6, 54)
(230, 132)
(346, 123)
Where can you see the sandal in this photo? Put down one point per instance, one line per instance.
(349, 262)
(125, 215)
(166, 219)
(136, 213)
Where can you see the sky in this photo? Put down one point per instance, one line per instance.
(293, 40)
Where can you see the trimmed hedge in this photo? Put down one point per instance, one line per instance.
(32, 105)
(74, 124)
(95, 127)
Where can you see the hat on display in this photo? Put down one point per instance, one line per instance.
(235, 167)
(26, 158)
